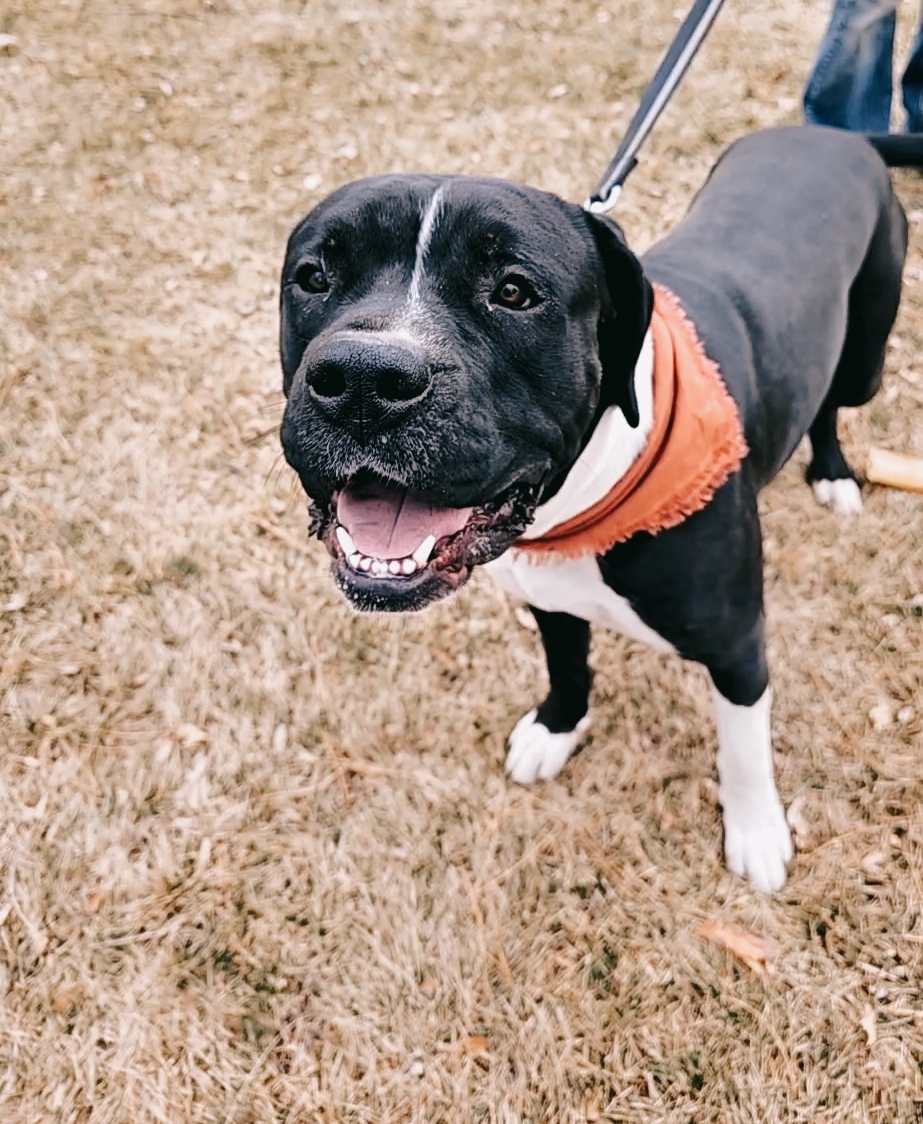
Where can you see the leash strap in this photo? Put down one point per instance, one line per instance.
(669, 74)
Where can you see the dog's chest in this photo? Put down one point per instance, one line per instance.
(575, 586)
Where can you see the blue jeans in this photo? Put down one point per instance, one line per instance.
(850, 85)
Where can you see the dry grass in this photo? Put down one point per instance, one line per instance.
(259, 861)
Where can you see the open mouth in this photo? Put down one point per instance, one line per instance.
(397, 550)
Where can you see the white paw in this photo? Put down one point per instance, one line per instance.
(758, 846)
(843, 496)
(536, 754)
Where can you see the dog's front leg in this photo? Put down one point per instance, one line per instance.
(757, 842)
(544, 738)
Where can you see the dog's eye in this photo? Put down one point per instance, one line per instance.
(311, 278)
(514, 292)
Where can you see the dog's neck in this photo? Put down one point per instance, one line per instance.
(611, 450)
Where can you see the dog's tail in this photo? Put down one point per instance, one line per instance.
(898, 150)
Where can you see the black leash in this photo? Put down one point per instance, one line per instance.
(669, 74)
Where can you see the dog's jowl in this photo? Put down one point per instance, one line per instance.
(481, 373)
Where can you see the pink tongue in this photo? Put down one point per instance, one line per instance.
(390, 523)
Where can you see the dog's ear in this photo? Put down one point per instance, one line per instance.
(627, 302)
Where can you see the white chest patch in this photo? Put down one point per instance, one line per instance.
(575, 586)
(610, 452)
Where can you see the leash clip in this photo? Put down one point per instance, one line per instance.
(598, 206)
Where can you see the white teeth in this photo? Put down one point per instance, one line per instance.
(345, 540)
(385, 566)
(424, 550)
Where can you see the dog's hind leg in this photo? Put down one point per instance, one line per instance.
(545, 738)
(873, 301)
(832, 480)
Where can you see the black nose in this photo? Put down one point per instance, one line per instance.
(367, 384)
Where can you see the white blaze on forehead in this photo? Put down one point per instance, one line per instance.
(430, 216)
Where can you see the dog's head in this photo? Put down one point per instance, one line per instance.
(446, 345)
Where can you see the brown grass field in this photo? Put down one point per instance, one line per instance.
(258, 859)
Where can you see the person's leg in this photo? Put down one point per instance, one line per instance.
(912, 83)
(850, 85)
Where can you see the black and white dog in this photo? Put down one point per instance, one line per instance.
(461, 355)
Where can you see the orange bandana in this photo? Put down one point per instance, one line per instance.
(695, 443)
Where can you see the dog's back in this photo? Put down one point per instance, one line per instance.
(790, 262)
